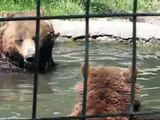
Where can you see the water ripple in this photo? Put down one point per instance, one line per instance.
(56, 92)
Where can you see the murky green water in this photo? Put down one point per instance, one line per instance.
(56, 89)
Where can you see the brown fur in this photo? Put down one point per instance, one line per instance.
(108, 92)
(19, 14)
(15, 36)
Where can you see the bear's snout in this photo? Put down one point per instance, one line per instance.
(28, 50)
(29, 59)
(30, 55)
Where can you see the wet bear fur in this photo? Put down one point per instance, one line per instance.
(108, 92)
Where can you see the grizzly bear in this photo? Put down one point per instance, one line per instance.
(17, 42)
(108, 92)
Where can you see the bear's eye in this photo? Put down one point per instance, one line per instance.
(34, 38)
(19, 41)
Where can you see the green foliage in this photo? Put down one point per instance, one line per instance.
(16, 5)
(147, 5)
(59, 7)
(121, 5)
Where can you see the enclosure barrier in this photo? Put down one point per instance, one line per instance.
(86, 16)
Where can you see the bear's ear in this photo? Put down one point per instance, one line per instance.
(22, 13)
(50, 35)
(82, 68)
(42, 11)
(137, 69)
(2, 29)
(7, 14)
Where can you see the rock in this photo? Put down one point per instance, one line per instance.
(105, 28)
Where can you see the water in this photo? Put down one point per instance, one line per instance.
(56, 95)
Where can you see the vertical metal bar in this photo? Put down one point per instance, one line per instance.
(36, 61)
(87, 5)
(133, 79)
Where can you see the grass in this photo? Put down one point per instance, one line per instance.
(60, 7)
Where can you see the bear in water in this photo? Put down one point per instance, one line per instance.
(108, 92)
(17, 42)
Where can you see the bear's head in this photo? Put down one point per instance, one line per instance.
(110, 71)
(108, 91)
(18, 43)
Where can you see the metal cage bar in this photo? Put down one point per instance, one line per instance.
(80, 16)
(35, 88)
(87, 16)
(87, 3)
(133, 77)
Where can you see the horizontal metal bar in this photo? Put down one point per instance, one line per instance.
(80, 16)
(98, 116)
(107, 115)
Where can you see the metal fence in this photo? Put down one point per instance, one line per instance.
(86, 16)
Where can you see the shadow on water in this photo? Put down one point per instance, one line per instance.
(56, 95)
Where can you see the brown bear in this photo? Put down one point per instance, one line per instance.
(108, 92)
(17, 42)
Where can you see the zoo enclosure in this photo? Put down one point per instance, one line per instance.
(86, 16)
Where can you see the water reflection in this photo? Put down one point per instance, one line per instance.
(56, 95)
